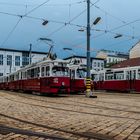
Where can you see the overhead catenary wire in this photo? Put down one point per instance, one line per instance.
(31, 5)
(68, 23)
(60, 28)
(10, 33)
(20, 16)
(36, 7)
(65, 23)
(107, 13)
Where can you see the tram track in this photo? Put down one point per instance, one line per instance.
(24, 95)
(44, 135)
(88, 103)
(84, 106)
(73, 111)
(6, 129)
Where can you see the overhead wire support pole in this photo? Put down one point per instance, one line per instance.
(88, 78)
(30, 54)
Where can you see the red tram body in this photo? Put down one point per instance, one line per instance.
(48, 76)
(118, 79)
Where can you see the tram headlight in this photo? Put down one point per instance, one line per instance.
(63, 84)
(55, 80)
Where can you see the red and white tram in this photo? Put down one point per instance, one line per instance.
(118, 79)
(77, 78)
(48, 76)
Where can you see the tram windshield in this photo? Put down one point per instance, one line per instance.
(60, 71)
(81, 73)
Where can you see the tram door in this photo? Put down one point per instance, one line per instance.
(131, 79)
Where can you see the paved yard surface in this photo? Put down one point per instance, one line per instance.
(31, 117)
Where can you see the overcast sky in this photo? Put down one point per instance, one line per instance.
(18, 33)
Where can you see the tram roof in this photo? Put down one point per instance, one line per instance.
(128, 63)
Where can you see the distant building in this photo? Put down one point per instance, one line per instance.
(97, 64)
(134, 62)
(134, 52)
(11, 60)
(112, 57)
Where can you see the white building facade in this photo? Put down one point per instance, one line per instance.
(134, 52)
(111, 56)
(97, 64)
(11, 60)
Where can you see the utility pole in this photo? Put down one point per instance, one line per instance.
(30, 54)
(88, 78)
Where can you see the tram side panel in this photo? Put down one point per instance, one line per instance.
(118, 85)
(137, 85)
(77, 85)
(31, 85)
(55, 85)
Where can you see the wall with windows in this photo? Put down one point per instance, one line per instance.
(113, 59)
(96, 64)
(11, 61)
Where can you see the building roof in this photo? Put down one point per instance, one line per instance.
(128, 63)
(115, 53)
(77, 56)
(126, 56)
(25, 51)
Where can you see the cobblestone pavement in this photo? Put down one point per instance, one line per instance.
(30, 117)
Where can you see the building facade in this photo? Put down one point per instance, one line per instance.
(134, 52)
(11, 60)
(112, 57)
(97, 64)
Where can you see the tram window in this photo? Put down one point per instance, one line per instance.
(42, 71)
(48, 71)
(81, 73)
(119, 75)
(101, 77)
(72, 74)
(109, 76)
(36, 72)
(21, 75)
(32, 73)
(127, 75)
(133, 76)
(60, 71)
(12, 78)
(138, 73)
(17, 76)
(25, 74)
(29, 74)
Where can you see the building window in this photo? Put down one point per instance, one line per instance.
(94, 64)
(102, 65)
(1, 74)
(1, 59)
(25, 58)
(9, 60)
(98, 64)
(17, 60)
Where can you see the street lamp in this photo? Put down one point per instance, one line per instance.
(97, 20)
(118, 36)
(45, 22)
(67, 49)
